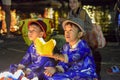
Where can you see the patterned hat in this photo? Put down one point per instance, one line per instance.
(41, 24)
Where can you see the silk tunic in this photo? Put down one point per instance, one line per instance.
(80, 65)
(35, 62)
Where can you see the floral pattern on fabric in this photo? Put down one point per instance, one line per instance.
(80, 64)
(35, 62)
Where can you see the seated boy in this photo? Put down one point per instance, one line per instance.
(32, 63)
(76, 60)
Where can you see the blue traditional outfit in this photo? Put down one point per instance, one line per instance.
(80, 65)
(35, 62)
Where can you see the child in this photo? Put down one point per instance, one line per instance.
(32, 63)
(77, 11)
(76, 60)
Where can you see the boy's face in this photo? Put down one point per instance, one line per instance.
(72, 34)
(34, 32)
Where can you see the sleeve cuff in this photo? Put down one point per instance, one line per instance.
(60, 69)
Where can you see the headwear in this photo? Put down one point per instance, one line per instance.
(42, 25)
(76, 21)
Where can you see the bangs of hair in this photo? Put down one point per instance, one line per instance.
(71, 24)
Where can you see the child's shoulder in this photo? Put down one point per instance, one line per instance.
(31, 46)
(83, 43)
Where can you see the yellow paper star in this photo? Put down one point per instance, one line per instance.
(45, 48)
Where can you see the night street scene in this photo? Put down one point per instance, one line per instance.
(103, 39)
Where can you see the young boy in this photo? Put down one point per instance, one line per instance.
(76, 60)
(32, 63)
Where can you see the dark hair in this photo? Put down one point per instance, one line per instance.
(71, 24)
(77, 12)
(78, 0)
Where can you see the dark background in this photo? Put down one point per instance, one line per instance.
(33, 5)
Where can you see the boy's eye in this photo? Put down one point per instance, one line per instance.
(64, 29)
(68, 30)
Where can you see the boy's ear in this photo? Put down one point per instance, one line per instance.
(41, 34)
(80, 34)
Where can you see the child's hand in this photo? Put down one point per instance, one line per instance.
(49, 71)
(20, 66)
(27, 71)
(59, 57)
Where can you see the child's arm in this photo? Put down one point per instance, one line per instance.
(26, 60)
(59, 57)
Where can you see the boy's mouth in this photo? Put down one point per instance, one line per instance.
(67, 36)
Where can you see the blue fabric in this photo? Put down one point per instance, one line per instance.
(35, 62)
(119, 20)
(115, 69)
(80, 66)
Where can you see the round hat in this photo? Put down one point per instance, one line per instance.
(76, 21)
(41, 24)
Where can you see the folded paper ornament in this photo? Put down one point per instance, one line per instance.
(45, 48)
